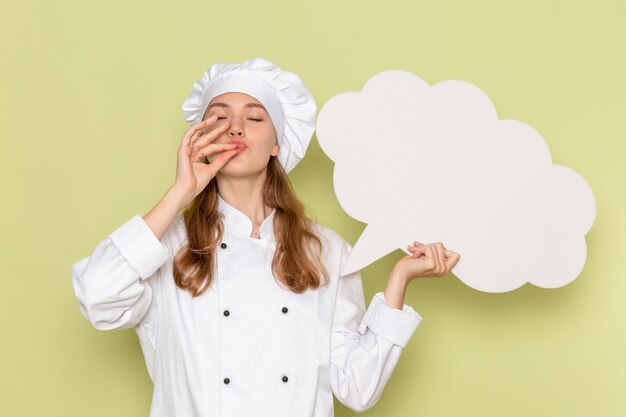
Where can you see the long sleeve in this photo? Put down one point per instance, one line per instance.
(366, 345)
(115, 285)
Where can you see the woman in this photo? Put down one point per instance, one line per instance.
(238, 301)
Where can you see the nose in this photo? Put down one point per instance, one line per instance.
(235, 129)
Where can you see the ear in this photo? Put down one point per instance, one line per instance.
(275, 149)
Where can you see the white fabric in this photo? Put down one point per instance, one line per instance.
(325, 343)
(289, 103)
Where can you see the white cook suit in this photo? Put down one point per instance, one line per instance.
(246, 347)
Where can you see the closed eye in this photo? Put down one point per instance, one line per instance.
(256, 120)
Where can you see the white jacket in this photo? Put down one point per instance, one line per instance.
(246, 347)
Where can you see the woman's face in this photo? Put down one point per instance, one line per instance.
(251, 125)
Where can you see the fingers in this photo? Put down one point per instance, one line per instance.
(221, 160)
(211, 149)
(414, 247)
(433, 262)
(200, 139)
(430, 258)
(452, 259)
(416, 252)
(193, 130)
(443, 260)
(438, 259)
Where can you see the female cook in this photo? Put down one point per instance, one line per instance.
(237, 300)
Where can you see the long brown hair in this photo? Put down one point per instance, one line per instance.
(297, 263)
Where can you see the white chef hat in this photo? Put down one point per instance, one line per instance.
(283, 94)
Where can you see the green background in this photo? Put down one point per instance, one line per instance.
(90, 122)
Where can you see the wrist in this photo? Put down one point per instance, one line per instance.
(395, 291)
(177, 197)
(399, 277)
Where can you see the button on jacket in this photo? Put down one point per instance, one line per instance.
(245, 347)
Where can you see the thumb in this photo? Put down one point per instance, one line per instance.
(417, 251)
(218, 163)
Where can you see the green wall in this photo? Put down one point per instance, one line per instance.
(90, 121)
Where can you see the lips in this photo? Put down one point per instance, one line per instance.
(236, 142)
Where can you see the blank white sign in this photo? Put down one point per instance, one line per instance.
(434, 164)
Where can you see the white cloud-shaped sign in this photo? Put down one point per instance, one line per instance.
(434, 163)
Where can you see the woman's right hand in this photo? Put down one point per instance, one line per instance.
(192, 173)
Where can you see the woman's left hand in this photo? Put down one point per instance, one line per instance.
(429, 260)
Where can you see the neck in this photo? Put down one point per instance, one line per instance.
(245, 194)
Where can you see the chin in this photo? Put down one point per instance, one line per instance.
(238, 170)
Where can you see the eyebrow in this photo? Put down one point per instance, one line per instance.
(219, 104)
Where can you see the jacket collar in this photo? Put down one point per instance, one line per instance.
(239, 224)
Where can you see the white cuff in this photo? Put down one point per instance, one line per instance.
(393, 324)
(140, 247)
